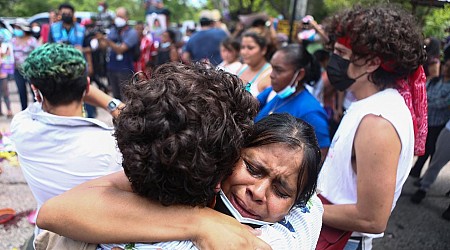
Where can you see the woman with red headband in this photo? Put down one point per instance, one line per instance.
(378, 53)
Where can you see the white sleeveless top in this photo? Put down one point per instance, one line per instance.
(337, 180)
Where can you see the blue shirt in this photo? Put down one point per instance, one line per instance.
(5, 35)
(205, 44)
(74, 36)
(122, 62)
(438, 98)
(303, 106)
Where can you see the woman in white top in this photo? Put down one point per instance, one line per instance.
(256, 71)
(378, 53)
(229, 51)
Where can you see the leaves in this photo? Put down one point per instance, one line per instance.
(436, 22)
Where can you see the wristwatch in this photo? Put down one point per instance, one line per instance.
(113, 105)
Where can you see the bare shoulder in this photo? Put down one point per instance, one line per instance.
(376, 142)
(376, 127)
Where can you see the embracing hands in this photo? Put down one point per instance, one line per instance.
(219, 231)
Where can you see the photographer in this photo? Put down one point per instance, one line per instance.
(98, 53)
(105, 18)
(312, 36)
(120, 41)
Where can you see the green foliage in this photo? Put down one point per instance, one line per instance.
(181, 10)
(238, 7)
(333, 6)
(437, 22)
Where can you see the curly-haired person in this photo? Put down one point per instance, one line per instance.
(180, 132)
(378, 53)
(203, 118)
(54, 142)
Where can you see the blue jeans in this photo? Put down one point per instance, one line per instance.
(440, 158)
(359, 243)
(352, 245)
(22, 83)
(91, 111)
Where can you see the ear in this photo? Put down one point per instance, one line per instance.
(264, 51)
(88, 85)
(36, 92)
(217, 188)
(300, 75)
(373, 64)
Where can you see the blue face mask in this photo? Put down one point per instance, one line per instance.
(290, 88)
(100, 8)
(19, 33)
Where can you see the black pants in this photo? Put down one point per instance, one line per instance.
(430, 146)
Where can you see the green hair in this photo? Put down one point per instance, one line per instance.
(58, 71)
(54, 61)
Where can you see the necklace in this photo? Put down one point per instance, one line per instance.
(286, 101)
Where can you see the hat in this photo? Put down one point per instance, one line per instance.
(206, 15)
(86, 22)
(22, 24)
(215, 15)
(247, 20)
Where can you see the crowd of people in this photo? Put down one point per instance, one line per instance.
(309, 143)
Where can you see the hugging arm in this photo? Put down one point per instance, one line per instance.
(106, 210)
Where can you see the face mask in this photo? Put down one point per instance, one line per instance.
(36, 29)
(120, 22)
(165, 45)
(67, 18)
(337, 73)
(100, 8)
(19, 33)
(290, 88)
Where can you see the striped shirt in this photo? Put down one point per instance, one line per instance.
(298, 230)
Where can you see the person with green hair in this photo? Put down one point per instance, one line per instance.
(55, 143)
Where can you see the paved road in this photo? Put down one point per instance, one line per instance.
(410, 227)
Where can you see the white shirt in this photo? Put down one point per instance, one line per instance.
(57, 153)
(299, 230)
(337, 180)
(232, 68)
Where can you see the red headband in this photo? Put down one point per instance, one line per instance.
(388, 66)
(344, 40)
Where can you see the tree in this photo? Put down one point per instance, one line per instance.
(437, 22)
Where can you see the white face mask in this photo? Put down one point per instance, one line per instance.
(120, 22)
(290, 88)
(165, 45)
(36, 29)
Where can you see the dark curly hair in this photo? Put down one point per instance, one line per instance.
(386, 31)
(181, 132)
(286, 129)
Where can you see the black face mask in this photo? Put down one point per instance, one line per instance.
(67, 18)
(337, 73)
